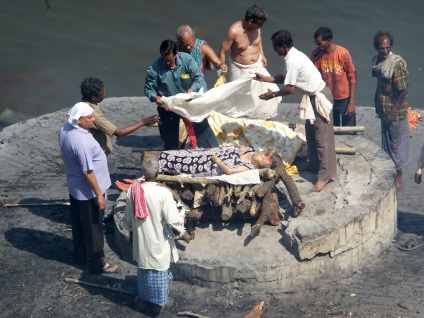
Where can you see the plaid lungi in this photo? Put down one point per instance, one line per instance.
(153, 285)
(395, 138)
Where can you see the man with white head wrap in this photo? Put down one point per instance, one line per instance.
(87, 176)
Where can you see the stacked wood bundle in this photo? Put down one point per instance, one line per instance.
(214, 200)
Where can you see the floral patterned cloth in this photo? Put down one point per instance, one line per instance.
(198, 162)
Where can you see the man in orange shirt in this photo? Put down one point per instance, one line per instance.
(336, 67)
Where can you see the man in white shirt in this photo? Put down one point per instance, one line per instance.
(316, 106)
(151, 215)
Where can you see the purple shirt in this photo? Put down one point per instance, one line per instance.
(81, 153)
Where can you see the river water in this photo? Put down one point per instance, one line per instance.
(49, 46)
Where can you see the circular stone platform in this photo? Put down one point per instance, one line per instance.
(341, 230)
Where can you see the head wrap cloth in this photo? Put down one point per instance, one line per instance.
(77, 111)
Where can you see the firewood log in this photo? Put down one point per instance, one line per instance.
(199, 191)
(216, 195)
(175, 195)
(244, 205)
(252, 191)
(227, 210)
(187, 195)
(254, 208)
(266, 186)
(242, 194)
(267, 174)
(298, 204)
(269, 212)
(237, 190)
(222, 194)
(228, 192)
(195, 213)
(209, 193)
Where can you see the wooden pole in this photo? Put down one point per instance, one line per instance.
(202, 181)
(81, 282)
(346, 151)
(343, 129)
(14, 205)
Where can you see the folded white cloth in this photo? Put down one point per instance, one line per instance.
(322, 105)
(245, 177)
(77, 111)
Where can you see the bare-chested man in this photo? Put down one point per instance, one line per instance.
(245, 44)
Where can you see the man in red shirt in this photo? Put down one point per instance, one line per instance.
(336, 67)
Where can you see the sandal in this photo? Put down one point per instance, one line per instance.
(110, 269)
(140, 304)
(412, 244)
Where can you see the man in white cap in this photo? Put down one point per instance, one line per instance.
(87, 176)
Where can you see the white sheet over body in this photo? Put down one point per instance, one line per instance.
(239, 98)
(244, 177)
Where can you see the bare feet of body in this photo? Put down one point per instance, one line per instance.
(319, 185)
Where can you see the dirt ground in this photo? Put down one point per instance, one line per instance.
(36, 246)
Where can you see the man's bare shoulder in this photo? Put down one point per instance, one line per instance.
(235, 29)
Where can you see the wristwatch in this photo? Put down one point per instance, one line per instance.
(273, 94)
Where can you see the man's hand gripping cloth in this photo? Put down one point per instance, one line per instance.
(322, 105)
(139, 201)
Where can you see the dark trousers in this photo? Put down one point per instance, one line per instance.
(204, 135)
(339, 110)
(321, 145)
(87, 233)
(169, 128)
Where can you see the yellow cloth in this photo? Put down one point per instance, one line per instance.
(292, 170)
(257, 133)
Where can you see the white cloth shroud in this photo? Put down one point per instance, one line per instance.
(244, 177)
(239, 98)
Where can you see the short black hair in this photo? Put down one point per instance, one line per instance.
(257, 14)
(378, 35)
(91, 87)
(282, 38)
(323, 32)
(167, 47)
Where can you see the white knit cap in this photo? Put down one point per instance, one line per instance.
(77, 111)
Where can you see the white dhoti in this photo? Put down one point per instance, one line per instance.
(262, 109)
(238, 71)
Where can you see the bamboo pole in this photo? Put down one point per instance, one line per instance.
(346, 151)
(202, 181)
(14, 205)
(190, 314)
(343, 129)
(81, 282)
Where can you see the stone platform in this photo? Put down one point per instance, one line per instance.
(342, 229)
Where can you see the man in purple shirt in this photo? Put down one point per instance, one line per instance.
(87, 176)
